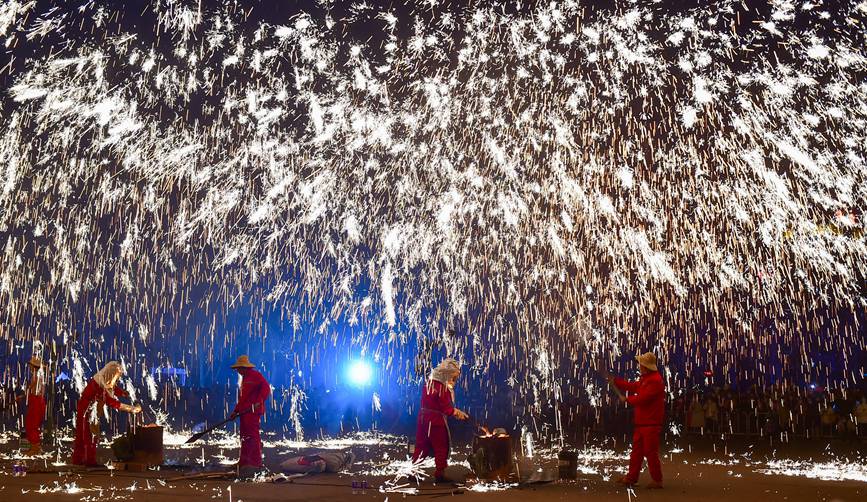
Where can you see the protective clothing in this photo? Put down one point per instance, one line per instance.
(251, 405)
(432, 430)
(87, 412)
(645, 444)
(35, 404)
(647, 397)
(34, 417)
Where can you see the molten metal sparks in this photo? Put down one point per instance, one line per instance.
(555, 181)
(828, 471)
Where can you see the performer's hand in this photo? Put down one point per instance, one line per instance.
(460, 415)
(135, 409)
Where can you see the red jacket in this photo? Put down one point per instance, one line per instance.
(254, 391)
(93, 392)
(436, 403)
(647, 396)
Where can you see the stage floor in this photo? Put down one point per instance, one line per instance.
(788, 473)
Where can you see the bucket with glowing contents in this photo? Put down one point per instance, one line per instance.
(492, 457)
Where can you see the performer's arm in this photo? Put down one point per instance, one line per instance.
(626, 386)
(114, 403)
(264, 390)
(262, 393)
(110, 401)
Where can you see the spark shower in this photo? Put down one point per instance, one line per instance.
(525, 185)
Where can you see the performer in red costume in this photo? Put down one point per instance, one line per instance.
(647, 396)
(35, 406)
(251, 406)
(100, 391)
(432, 435)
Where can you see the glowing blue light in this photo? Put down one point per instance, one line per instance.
(360, 373)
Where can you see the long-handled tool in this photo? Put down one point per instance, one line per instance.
(198, 436)
(603, 372)
(616, 391)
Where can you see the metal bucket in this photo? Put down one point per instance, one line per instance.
(567, 462)
(147, 445)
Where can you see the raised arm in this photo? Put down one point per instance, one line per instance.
(626, 386)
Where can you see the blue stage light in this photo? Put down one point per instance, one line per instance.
(360, 373)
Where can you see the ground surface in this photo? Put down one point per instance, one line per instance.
(701, 474)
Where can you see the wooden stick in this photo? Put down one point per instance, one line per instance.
(616, 390)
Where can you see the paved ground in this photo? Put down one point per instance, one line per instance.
(698, 475)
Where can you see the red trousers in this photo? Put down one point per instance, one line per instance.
(645, 444)
(251, 441)
(34, 417)
(84, 446)
(432, 440)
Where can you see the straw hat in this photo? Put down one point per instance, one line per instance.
(648, 360)
(35, 362)
(243, 362)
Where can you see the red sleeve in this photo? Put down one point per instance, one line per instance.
(94, 392)
(264, 389)
(120, 392)
(646, 393)
(626, 386)
(110, 401)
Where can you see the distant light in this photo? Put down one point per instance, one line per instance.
(360, 373)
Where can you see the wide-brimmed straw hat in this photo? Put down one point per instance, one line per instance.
(648, 360)
(243, 362)
(35, 362)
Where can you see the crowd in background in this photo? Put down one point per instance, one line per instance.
(814, 413)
